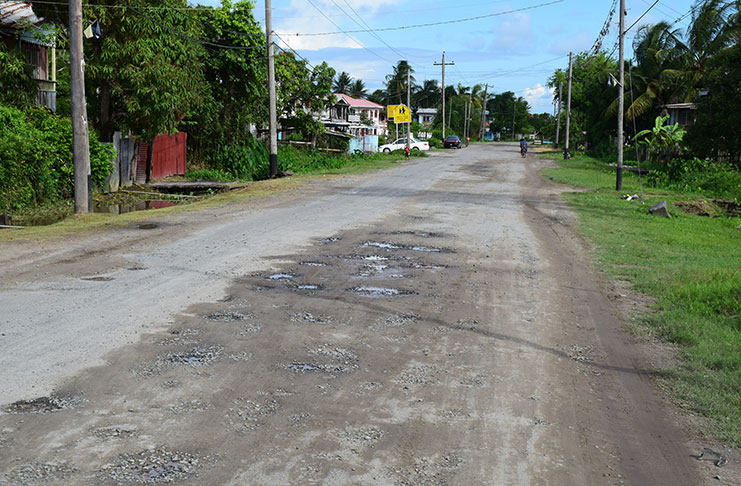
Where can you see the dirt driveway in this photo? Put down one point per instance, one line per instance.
(433, 324)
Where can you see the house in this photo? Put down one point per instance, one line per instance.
(425, 116)
(681, 113)
(20, 29)
(362, 112)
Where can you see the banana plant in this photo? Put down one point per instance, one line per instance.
(661, 137)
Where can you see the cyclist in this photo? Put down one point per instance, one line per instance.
(523, 146)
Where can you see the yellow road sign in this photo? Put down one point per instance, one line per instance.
(390, 109)
(402, 114)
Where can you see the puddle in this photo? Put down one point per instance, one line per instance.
(196, 356)
(97, 279)
(148, 226)
(144, 205)
(425, 249)
(313, 264)
(325, 241)
(303, 367)
(281, 276)
(44, 404)
(379, 244)
(375, 258)
(380, 291)
(309, 287)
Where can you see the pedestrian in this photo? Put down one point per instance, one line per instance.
(406, 152)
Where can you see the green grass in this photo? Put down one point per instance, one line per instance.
(690, 264)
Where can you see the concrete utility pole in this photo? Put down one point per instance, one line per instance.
(271, 91)
(443, 64)
(566, 153)
(483, 113)
(409, 103)
(558, 118)
(80, 142)
(468, 117)
(621, 98)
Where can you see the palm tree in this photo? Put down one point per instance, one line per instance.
(428, 95)
(396, 82)
(357, 89)
(342, 83)
(714, 27)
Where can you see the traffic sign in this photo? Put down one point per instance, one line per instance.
(390, 109)
(402, 114)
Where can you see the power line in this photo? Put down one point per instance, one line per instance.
(294, 52)
(642, 15)
(429, 24)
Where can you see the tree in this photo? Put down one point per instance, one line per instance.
(17, 87)
(379, 96)
(428, 95)
(357, 89)
(396, 82)
(146, 73)
(342, 83)
(717, 128)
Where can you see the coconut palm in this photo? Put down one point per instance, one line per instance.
(396, 82)
(357, 89)
(427, 95)
(342, 83)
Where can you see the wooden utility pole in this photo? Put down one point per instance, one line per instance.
(271, 91)
(566, 153)
(621, 100)
(483, 113)
(409, 103)
(443, 64)
(80, 142)
(468, 117)
(558, 118)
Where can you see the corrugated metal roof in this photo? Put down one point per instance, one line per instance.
(17, 14)
(358, 103)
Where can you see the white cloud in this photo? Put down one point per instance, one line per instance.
(540, 98)
(514, 35)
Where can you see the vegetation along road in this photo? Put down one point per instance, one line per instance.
(435, 323)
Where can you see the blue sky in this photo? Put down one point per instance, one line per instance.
(515, 48)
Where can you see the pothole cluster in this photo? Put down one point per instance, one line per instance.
(152, 466)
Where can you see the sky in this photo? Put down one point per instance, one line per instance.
(513, 46)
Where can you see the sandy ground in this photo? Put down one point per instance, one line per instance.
(433, 324)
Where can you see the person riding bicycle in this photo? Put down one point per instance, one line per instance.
(523, 146)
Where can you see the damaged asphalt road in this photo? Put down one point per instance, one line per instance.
(433, 324)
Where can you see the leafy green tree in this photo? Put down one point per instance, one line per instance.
(379, 96)
(662, 139)
(17, 87)
(342, 83)
(717, 129)
(428, 95)
(146, 73)
(357, 89)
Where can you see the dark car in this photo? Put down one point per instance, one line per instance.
(452, 141)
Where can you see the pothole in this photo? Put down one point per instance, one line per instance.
(310, 318)
(190, 406)
(399, 320)
(281, 276)
(148, 226)
(313, 264)
(33, 472)
(380, 291)
(420, 375)
(48, 404)
(326, 241)
(246, 414)
(304, 367)
(309, 287)
(195, 357)
(381, 244)
(97, 279)
(153, 466)
(360, 437)
(227, 316)
(115, 431)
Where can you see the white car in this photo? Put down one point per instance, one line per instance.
(401, 143)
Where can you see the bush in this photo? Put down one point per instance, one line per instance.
(248, 162)
(697, 175)
(36, 157)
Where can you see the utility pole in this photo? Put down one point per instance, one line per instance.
(409, 103)
(621, 100)
(514, 114)
(271, 91)
(80, 142)
(483, 113)
(468, 118)
(566, 153)
(558, 118)
(443, 64)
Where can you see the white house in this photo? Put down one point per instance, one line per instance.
(425, 116)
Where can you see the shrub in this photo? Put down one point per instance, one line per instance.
(713, 178)
(36, 157)
(249, 161)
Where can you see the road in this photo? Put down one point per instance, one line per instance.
(437, 323)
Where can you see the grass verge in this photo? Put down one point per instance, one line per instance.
(690, 264)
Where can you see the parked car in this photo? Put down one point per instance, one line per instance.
(452, 141)
(401, 143)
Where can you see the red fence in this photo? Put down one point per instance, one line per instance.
(168, 155)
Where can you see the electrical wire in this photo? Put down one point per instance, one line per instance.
(639, 18)
(429, 24)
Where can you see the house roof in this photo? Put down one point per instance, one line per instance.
(17, 14)
(426, 111)
(690, 106)
(358, 103)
